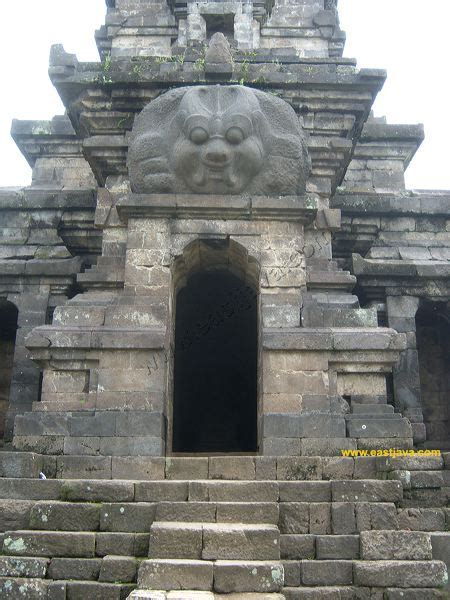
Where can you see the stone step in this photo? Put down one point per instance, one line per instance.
(372, 409)
(27, 465)
(82, 490)
(110, 569)
(229, 512)
(252, 576)
(198, 595)
(165, 574)
(43, 589)
(49, 543)
(20, 464)
(341, 592)
(74, 544)
(214, 541)
(220, 576)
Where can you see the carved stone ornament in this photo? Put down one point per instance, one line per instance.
(218, 140)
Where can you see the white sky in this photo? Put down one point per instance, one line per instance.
(407, 37)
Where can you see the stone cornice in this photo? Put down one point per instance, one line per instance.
(196, 206)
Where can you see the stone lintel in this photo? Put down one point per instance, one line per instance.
(291, 208)
(391, 269)
(334, 340)
(407, 203)
(53, 337)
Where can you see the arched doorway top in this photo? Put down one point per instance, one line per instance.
(215, 254)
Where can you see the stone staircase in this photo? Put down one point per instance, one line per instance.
(294, 528)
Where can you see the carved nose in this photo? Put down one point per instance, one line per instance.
(217, 152)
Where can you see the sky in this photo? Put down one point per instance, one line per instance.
(409, 38)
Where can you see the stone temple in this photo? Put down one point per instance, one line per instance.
(214, 292)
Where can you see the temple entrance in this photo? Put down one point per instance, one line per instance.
(433, 345)
(215, 377)
(8, 328)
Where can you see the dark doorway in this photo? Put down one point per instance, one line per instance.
(8, 329)
(433, 346)
(215, 378)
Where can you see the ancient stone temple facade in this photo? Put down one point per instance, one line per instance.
(218, 274)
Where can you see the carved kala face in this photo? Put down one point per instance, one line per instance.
(217, 150)
(217, 139)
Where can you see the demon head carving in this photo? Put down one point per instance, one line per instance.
(218, 140)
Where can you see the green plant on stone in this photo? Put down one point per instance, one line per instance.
(244, 72)
(106, 64)
(199, 64)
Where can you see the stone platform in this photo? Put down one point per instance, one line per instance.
(248, 527)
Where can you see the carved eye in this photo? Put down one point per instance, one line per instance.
(198, 135)
(235, 135)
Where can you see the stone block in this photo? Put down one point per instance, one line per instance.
(326, 447)
(426, 479)
(337, 547)
(265, 467)
(75, 568)
(319, 425)
(366, 491)
(281, 446)
(191, 512)
(440, 543)
(257, 576)
(88, 490)
(138, 467)
(157, 491)
(421, 519)
(14, 514)
(237, 491)
(299, 468)
(400, 574)
(176, 574)
(118, 568)
(20, 464)
(79, 446)
(77, 590)
(79, 467)
(305, 491)
(254, 512)
(343, 518)
(337, 467)
(176, 540)
(57, 590)
(395, 545)
(292, 573)
(240, 542)
(64, 516)
(380, 515)
(414, 594)
(132, 446)
(320, 518)
(37, 424)
(187, 468)
(281, 426)
(327, 572)
(379, 428)
(49, 543)
(109, 543)
(366, 467)
(29, 567)
(294, 517)
(127, 517)
(140, 423)
(233, 467)
(23, 589)
(30, 489)
(297, 547)
(100, 424)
